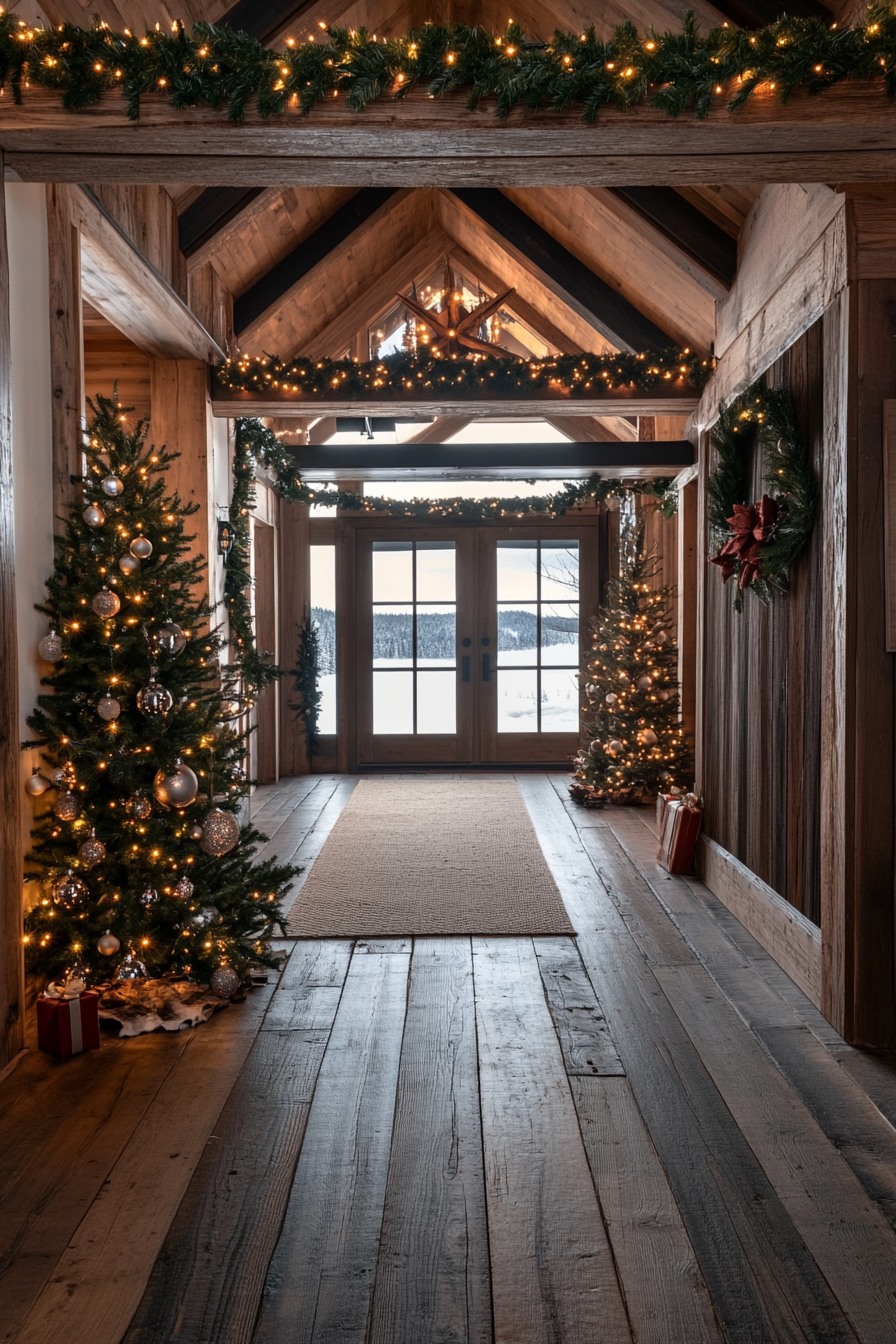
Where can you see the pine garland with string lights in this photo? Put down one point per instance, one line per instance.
(140, 857)
(636, 746)
(675, 72)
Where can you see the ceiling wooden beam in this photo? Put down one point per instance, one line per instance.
(442, 428)
(672, 401)
(686, 226)
(205, 217)
(388, 461)
(294, 267)
(578, 427)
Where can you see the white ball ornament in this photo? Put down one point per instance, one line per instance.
(611, 698)
(224, 981)
(644, 683)
(648, 737)
(615, 747)
(195, 831)
(108, 944)
(50, 648)
(141, 548)
(220, 833)
(176, 788)
(36, 784)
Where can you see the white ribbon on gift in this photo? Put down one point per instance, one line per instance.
(69, 989)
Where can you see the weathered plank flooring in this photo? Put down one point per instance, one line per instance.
(645, 1135)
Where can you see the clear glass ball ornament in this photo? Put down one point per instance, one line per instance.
(154, 700)
(169, 638)
(131, 969)
(224, 981)
(176, 788)
(106, 603)
(195, 831)
(68, 806)
(36, 784)
(108, 708)
(129, 565)
(611, 698)
(50, 647)
(206, 916)
(183, 889)
(70, 892)
(148, 896)
(108, 944)
(138, 806)
(112, 486)
(93, 515)
(220, 833)
(141, 548)
(92, 851)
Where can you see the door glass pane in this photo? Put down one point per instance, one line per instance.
(560, 634)
(393, 571)
(518, 635)
(559, 570)
(436, 636)
(435, 571)
(393, 702)
(559, 701)
(393, 636)
(436, 702)
(323, 614)
(517, 571)
(517, 700)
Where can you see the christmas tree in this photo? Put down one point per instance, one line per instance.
(636, 746)
(142, 863)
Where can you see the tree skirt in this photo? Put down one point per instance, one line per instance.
(150, 1005)
(428, 858)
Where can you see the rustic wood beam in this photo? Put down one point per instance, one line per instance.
(498, 460)
(227, 404)
(617, 320)
(846, 134)
(531, 315)
(212, 211)
(66, 341)
(686, 226)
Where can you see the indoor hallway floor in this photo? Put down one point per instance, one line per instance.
(645, 1133)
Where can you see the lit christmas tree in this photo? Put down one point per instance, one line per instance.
(635, 744)
(142, 863)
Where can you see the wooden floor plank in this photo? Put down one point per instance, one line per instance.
(321, 1276)
(578, 1017)
(313, 841)
(667, 1298)
(553, 1276)
(432, 1282)
(207, 1282)
(764, 1284)
(100, 1277)
(308, 994)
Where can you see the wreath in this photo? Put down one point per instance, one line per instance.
(757, 543)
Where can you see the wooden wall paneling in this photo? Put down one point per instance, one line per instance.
(687, 604)
(66, 344)
(212, 302)
(268, 709)
(294, 606)
(110, 359)
(181, 420)
(12, 973)
(148, 215)
(890, 520)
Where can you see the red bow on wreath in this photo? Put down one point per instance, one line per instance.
(751, 525)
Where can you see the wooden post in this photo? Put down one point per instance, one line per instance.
(12, 971)
(66, 343)
(181, 420)
(295, 603)
(687, 604)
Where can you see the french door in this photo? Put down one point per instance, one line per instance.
(467, 641)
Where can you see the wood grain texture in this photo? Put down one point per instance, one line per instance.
(321, 1276)
(666, 1296)
(889, 412)
(66, 348)
(208, 1279)
(181, 421)
(227, 404)
(295, 603)
(552, 1269)
(578, 1018)
(432, 1280)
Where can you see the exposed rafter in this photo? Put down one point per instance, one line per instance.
(686, 226)
(387, 461)
(210, 213)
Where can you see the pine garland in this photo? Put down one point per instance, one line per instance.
(676, 72)
(409, 377)
(766, 413)
(306, 675)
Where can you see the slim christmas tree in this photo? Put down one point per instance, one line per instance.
(142, 863)
(636, 746)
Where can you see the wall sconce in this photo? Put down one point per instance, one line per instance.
(225, 537)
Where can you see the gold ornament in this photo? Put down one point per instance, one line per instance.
(68, 807)
(50, 648)
(177, 789)
(195, 832)
(615, 747)
(220, 833)
(647, 737)
(141, 548)
(644, 683)
(106, 603)
(92, 851)
(224, 981)
(108, 944)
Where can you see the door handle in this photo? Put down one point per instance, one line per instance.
(465, 667)
(486, 668)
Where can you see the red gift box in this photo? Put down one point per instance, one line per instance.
(662, 802)
(65, 1027)
(678, 838)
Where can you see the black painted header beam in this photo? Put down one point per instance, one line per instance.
(686, 226)
(209, 213)
(489, 460)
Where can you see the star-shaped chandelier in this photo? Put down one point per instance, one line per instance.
(452, 329)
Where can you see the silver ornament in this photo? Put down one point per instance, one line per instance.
(106, 603)
(68, 807)
(153, 700)
(611, 698)
(113, 486)
(108, 708)
(74, 977)
(195, 832)
(183, 889)
(50, 648)
(93, 515)
(130, 969)
(224, 981)
(644, 683)
(92, 851)
(148, 896)
(63, 775)
(35, 784)
(178, 788)
(596, 747)
(170, 638)
(129, 565)
(141, 548)
(138, 806)
(108, 944)
(220, 833)
(206, 916)
(615, 747)
(70, 891)
(665, 695)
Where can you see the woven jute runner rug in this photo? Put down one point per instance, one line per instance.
(428, 858)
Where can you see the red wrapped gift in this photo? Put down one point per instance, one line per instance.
(66, 1026)
(678, 838)
(662, 802)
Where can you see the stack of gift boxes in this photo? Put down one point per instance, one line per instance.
(679, 817)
